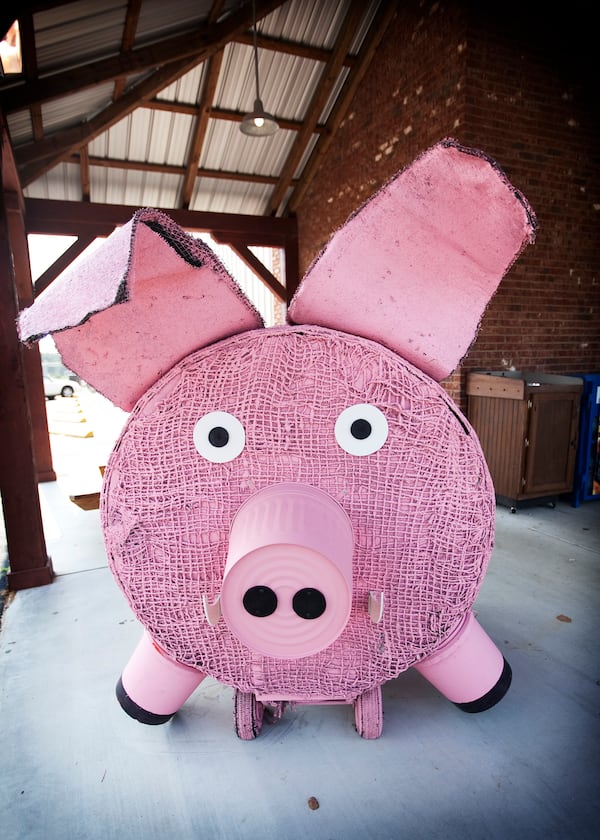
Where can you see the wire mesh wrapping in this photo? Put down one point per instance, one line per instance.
(421, 507)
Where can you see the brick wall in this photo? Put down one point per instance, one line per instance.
(519, 88)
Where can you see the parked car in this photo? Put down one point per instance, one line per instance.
(55, 386)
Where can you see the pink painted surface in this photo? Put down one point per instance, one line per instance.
(417, 265)
(320, 458)
(141, 302)
(421, 508)
(156, 683)
(289, 537)
(466, 666)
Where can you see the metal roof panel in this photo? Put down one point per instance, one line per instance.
(158, 18)
(64, 112)
(71, 33)
(139, 189)
(221, 196)
(187, 89)
(19, 126)
(76, 33)
(62, 183)
(228, 149)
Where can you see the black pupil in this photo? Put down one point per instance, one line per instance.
(360, 429)
(260, 601)
(309, 603)
(218, 436)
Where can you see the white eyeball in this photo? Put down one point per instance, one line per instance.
(361, 429)
(219, 437)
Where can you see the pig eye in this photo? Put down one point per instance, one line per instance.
(361, 429)
(219, 437)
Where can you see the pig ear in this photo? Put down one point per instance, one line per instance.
(416, 266)
(148, 296)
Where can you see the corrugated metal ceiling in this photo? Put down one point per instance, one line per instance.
(169, 147)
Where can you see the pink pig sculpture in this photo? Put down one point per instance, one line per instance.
(300, 512)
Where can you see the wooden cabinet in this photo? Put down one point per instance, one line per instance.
(528, 425)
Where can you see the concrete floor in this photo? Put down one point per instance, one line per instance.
(73, 765)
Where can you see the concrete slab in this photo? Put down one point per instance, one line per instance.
(73, 765)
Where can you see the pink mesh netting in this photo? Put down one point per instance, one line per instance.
(422, 507)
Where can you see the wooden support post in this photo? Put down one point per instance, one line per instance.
(29, 563)
(292, 262)
(32, 363)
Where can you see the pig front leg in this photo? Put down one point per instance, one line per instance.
(153, 687)
(468, 668)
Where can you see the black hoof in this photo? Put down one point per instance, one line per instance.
(493, 696)
(135, 711)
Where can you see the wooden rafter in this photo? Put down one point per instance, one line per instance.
(30, 69)
(173, 169)
(213, 68)
(196, 45)
(283, 45)
(376, 32)
(128, 39)
(255, 265)
(36, 159)
(74, 218)
(319, 100)
(218, 113)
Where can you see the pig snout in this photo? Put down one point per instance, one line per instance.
(287, 586)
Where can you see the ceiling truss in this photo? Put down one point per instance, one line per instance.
(157, 65)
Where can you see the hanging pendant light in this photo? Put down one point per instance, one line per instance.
(257, 123)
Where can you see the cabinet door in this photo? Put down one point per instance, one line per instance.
(552, 443)
(501, 426)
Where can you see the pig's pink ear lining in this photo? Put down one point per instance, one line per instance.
(149, 295)
(41, 319)
(415, 267)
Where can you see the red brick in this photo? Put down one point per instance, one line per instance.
(516, 86)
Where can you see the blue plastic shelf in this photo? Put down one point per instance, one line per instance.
(586, 483)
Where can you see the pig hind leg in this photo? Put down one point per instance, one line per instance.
(468, 668)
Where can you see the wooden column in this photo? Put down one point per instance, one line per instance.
(29, 563)
(32, 362)
(292, 262)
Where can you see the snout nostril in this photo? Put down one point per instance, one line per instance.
(260, 601)
(309, 603)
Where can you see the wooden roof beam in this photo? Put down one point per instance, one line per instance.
(74, 218)
(198, 135)
(320, 97)
(258, 268)
(172, 169)
(30, 69)
(132, 17)
(213, 70)
(281, 45)
(384, 16)
(218, 113)
(35, 159)
(197, 45)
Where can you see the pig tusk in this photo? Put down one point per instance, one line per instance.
(212, 611)
(375, 606)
